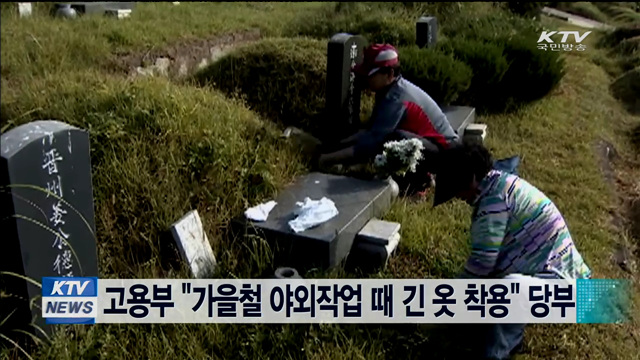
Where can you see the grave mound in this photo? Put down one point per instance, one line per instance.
(184, 57)
(282, 79)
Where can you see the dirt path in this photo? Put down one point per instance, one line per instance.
(575, 19)
(622, 175)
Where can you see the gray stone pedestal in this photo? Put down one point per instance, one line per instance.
(460, 117)
(374, 245)
(328, 244)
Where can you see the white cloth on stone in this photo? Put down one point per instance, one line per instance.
(260, 212)
(312, 213)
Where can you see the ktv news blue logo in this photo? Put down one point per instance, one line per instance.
(70, 300)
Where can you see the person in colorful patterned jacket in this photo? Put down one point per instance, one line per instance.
(401, 111)
(515, 229)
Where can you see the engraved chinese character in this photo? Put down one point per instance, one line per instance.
(57, 263)
(49, 135)
(55, 186)
(58, 211)
(59, 241)
(354, 51)
(50, 158)
(66, 259)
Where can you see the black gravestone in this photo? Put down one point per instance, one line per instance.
(328, 244)
(47, 212)
(343, 94)
(426, 32)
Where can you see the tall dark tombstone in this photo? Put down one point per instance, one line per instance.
(48, 219)
(343, 96)
(427, 32)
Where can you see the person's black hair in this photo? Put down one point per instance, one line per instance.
(466, 160)
(480, 159)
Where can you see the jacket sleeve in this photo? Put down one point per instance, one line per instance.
(385, 120)
(487, 234)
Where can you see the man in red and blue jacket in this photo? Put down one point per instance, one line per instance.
(402, 110)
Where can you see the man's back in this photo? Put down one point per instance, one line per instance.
(423, 115)
(535, 236)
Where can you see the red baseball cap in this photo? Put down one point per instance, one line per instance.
(376, 57)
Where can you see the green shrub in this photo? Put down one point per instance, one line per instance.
(440, 75)
(527, 9)
(489, 65)
(584, 9)
(282, 79)
(613, 38)
(371, 21)
(496, 26)
(532, 73)
(630, 62)
(628, 46)
(626, 88)
(609, 64)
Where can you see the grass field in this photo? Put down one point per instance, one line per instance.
(161, 148)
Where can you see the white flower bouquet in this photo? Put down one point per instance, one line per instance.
(399, 157)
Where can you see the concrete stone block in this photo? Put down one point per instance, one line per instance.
(475, 133)
(378, 232)
(476, 129)
(370, 257)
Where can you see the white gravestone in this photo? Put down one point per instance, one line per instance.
(193, 244)
(25, 9)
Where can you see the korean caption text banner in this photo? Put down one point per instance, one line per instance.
(83, 300)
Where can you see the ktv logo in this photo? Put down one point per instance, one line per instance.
(546, 36)
(68, 300)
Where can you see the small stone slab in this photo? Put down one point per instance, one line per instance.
(118, 13)
(475, 133)
(25, 9)
(194, 245)
(460, 117)
(378, 232)
(476, 129)
(328, 244)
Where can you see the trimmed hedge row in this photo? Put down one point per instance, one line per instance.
(371, 20)
(285, 79)
(442, 76)
(490, 62)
